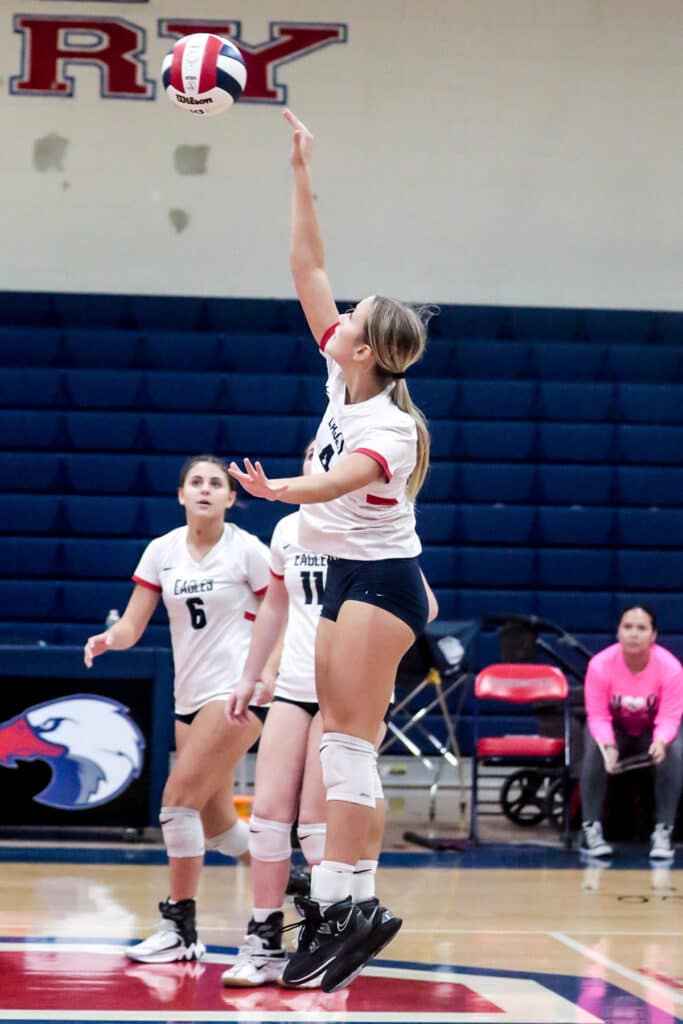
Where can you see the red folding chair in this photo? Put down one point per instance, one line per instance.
(540, 787)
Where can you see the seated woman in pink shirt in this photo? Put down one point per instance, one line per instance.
(634, 703)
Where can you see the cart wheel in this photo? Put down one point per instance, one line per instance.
(522, 798)
(554, 803)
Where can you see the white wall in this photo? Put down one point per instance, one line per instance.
(477, 151)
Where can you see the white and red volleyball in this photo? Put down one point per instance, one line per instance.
(204, 74)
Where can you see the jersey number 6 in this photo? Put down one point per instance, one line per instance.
(197, 613)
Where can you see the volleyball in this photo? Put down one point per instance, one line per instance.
(204, 74)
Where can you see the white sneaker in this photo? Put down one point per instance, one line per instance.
(593, 842)
(660, 846)
(165, 947)
(175, 939)
(255, 965)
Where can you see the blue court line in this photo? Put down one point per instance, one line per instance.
(493, 855)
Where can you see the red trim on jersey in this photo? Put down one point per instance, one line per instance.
(207, 76)
(276, 575)
(378, 459)
(261, 592)
(372, 499)
(144, 583)
(177, 66)
(249, 616)
(327, 335)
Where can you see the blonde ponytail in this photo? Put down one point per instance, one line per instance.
(401, 397)
(397, 335)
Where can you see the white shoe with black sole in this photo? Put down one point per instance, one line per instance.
(261, 957)
(176, 938)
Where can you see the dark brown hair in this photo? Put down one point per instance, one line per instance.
(215, 460)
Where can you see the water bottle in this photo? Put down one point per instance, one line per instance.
(112, 618)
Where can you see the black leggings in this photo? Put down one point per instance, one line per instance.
(668, 774)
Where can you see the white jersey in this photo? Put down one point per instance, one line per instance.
(377, 521)
(211, 606)
(304, 574)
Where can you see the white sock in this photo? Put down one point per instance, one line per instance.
(331, 881)
(363, 881)
(261, 914)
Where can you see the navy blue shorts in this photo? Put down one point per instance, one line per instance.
(309, 706)
(188, 719)
(394, 584)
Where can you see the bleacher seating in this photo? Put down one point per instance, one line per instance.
(554, 488)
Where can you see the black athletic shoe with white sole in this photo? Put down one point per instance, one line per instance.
(325, 936)
(384, 926)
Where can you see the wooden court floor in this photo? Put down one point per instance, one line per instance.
(520, 934)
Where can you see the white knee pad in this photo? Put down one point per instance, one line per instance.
(348, 765)
(269, 840)
(182, 830)
(312, 841)
(232, 843)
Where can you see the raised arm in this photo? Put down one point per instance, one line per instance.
(306, 250)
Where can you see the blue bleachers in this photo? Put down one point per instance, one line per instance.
(490, 441)
(576, 401)
(101, 559)
(636, 570)
(576, 485)
(572, 362)
(438, 524)
(649, 486)
(90, 516)
(643, 445)
(577, 442)
(38, 514)
(649, 528)
(554, 488)
(30, 556)
(578, 525)
(115, 474)
(103, 389)
(102, 349)
(32, 472)
(29, 346)
(488, 360)
(497, 482)
(658, 364)
(497, 524)
(575, 568)
(495, 400)
(649, 403)
(497, 567)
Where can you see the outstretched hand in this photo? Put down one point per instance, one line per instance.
(255, 481)
(302, 140)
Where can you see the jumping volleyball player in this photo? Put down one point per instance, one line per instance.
(288, 770)
(210, 575)
(371, 456)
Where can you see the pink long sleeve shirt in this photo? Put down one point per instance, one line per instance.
(634, 701)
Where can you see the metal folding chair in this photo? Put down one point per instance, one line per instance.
(431, 681)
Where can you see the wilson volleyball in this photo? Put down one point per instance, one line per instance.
(204, 74)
